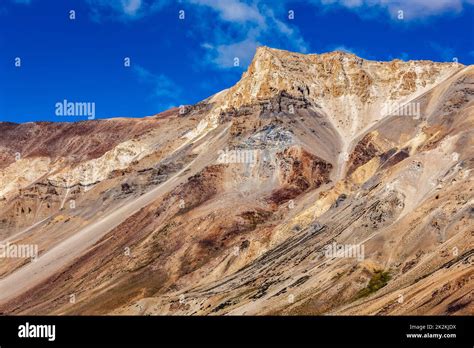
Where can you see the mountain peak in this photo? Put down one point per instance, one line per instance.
(272, 184)
(340, 84)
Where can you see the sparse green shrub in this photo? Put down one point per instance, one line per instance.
(379, 279)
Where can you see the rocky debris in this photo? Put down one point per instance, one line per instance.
(76, 142)
(390, 159)
(299, 171)
(203, 238)
(315, 227)
(270, 136)
(329, 77)
(342, 197)
(364, 151)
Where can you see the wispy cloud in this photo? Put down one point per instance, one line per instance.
(348, 49)
(224, 55)
(446, 53)
(247, 25)
(124, 9)
(412, 10)
(131, 7)
(164, 91)
(233, 10)
(234, 28)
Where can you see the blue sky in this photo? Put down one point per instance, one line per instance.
(177, 61)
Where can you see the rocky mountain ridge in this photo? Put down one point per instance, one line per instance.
(328, 200)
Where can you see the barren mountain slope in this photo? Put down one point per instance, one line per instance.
(231, 206)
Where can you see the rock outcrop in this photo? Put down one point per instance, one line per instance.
(318, 184)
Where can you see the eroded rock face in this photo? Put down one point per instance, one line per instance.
(298, 172)
(350, 89)
(324, 203)
(366, 149)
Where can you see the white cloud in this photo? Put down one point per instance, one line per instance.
(224, 55)
(285, 30)
(252, 23)
(124, 9)
(238, 27)
(412, 9)
(233, 10)
(131, 7)
(357, 51)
